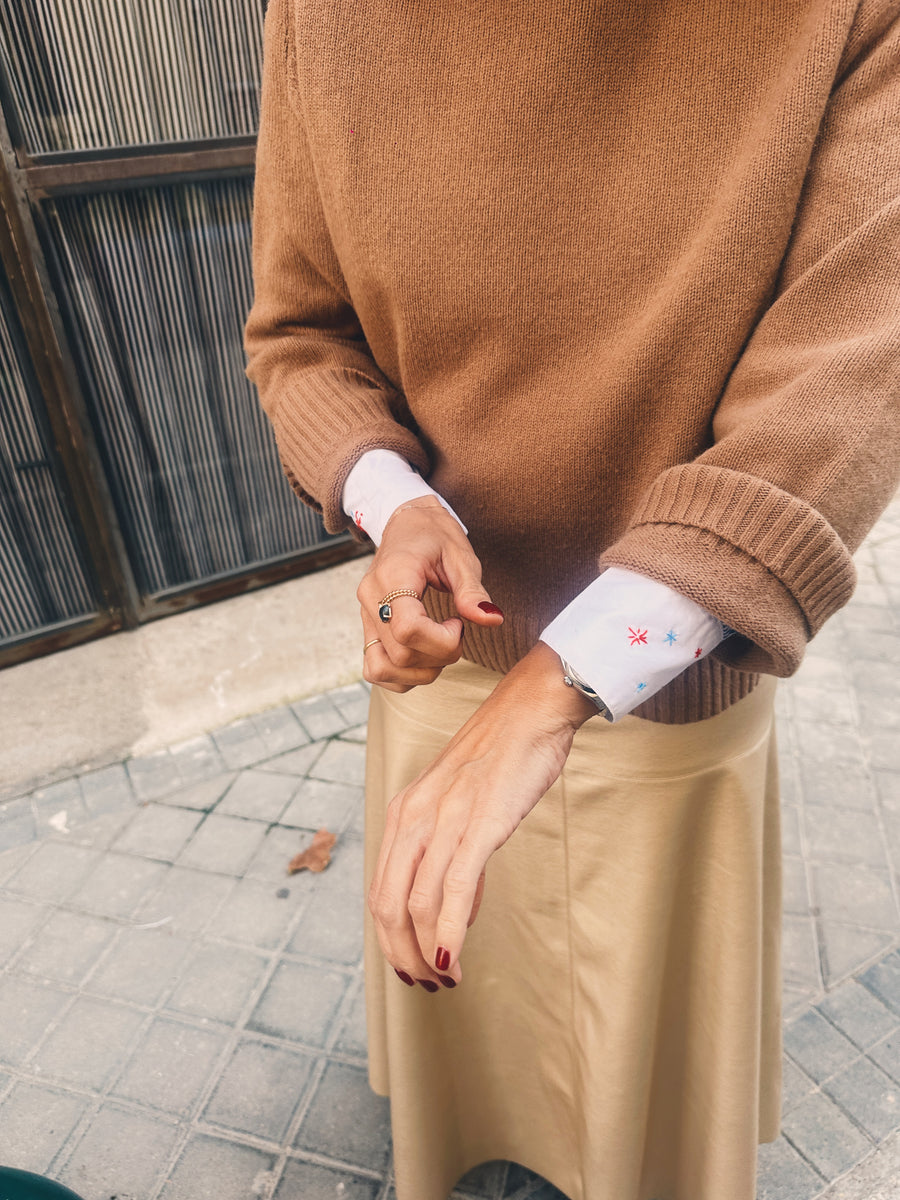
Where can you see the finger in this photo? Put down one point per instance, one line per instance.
(391, 908)
(463, 574)
(427, 893)
(463, 886)
(410, 629)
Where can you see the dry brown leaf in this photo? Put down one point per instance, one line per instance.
(316, 856)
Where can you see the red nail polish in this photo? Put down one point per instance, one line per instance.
(442, 959)
(428, 985)
(447, 981)
(407, 979)
(487, 607)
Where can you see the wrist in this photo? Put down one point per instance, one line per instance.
(541, 672)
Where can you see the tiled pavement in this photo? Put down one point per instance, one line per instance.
(179, 1020)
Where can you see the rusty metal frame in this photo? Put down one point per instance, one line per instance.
(27, 180)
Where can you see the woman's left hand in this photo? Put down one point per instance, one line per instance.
(441, 829)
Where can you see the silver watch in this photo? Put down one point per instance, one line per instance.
(573, 680)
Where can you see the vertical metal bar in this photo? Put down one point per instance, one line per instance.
(22, 258)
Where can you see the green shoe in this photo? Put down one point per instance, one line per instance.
(22, 1185)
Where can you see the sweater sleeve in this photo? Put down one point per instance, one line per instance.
(317, 379)
(760, 528)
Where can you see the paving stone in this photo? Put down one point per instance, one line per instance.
(13, 860)
(358, 734)
(882, 749)
(331, 927)
(483, 1181)
(153, 775)
(844, 785)
(196, 759)
(239, 744)
(260, 795)
(68, 946)
(795, 896)
(341, 762)
(522, 1184)
(26, 1009)
(186, 900)
(795, 1085)
(870, 1097)
(819, 1048)
(36, 1121)
(346, 1120)
(831, 705)
(845, 949)
(854, 894)
(827, 745)
(90, 1043)
(259, 1090)
(869, 614)
(319, 804)
(352, 702)
(319, 717)
(143, 966)
(886, 1054)
(61, 803)
(295, 762)
(158, 831)
(53, 871)
(171, 1065)
(884, 980)
(218, 982)
(271, 860)
(299, 1003)
(799, 955)
(258, 913)
(18, 920)
(108, 789)
(790, 828)
(222, 843)
(120, 1156)
(117, 884)
(313, 1182)
(888, 647)
(842, 835)
(795, 1001)
(212, 1169)
(783, 1175)
(280, 730)
(97, 832)
(858, 1014)
(825, 1136)
(353, 1039)
(202, 796)
(819, 670)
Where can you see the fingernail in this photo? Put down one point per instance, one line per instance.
(407, 979)
(428, 984)
(447, 981)
(491, 609)
(442, 959)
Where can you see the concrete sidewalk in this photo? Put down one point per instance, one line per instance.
(179, 1019)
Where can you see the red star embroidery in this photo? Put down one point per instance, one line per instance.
(358, 518)
(638, 637)
(698, 652)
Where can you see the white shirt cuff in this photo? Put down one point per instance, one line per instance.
(380, 481)
(628, 636)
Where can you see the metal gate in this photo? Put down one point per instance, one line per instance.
(138, 474)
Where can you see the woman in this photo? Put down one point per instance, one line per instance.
(621, 281)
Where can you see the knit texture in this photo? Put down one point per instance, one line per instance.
(622, 281)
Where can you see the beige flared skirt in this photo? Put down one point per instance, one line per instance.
(618, 1027)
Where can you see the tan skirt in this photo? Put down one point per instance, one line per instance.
(618, 1027)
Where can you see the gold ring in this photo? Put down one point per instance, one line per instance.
(384, 608)
(371, 643)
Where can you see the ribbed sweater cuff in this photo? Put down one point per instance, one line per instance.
(318, 455)
(746, 551)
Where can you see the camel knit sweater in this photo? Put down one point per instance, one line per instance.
(621, 279)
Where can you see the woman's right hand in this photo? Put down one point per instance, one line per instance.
(422, 546)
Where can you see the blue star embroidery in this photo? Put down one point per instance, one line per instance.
(640, 687)
(671, 637)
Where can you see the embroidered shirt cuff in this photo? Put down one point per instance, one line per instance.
(379, 482)
(628, 636)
